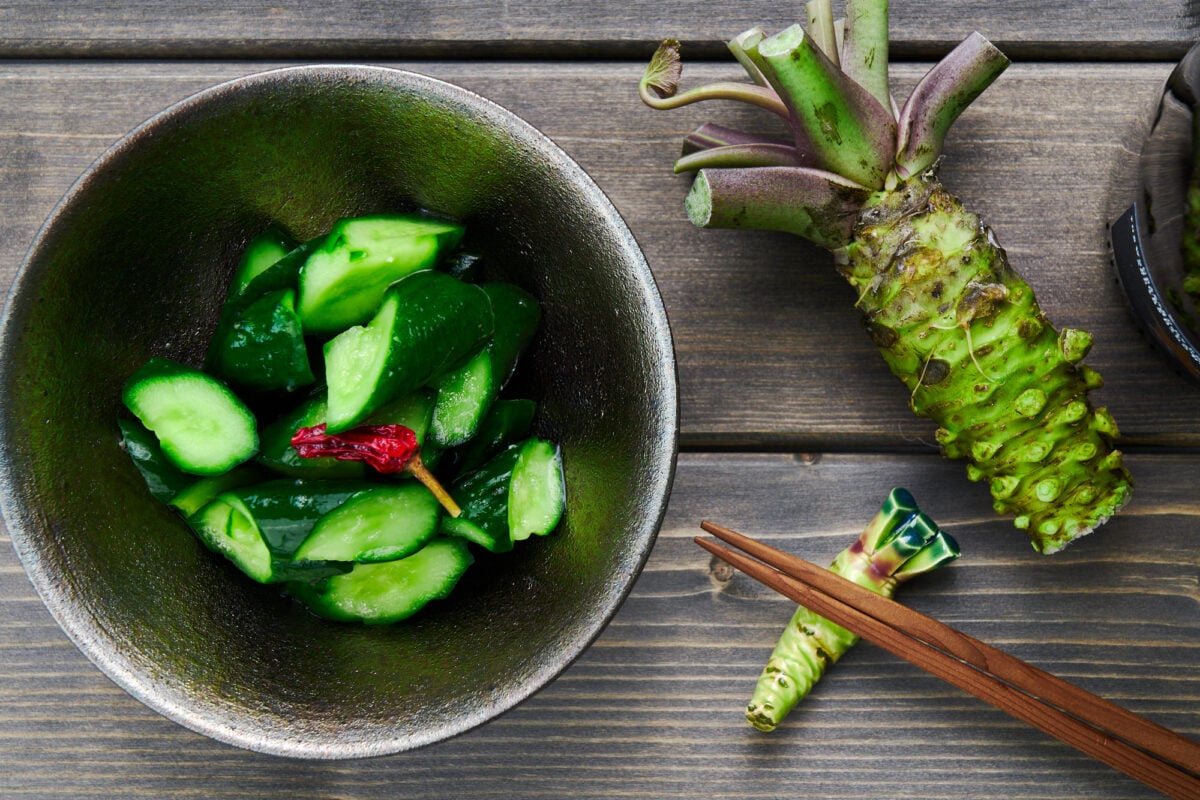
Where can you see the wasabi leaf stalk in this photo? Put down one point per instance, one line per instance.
(952, 319)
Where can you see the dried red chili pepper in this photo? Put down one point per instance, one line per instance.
(386, 448)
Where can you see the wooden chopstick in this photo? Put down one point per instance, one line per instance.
(1155, 755)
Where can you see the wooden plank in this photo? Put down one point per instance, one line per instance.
(653, 709)
(770, 350)
(1088, 29)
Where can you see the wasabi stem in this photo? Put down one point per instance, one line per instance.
(951, 318)
(865, 47)
(900, 543)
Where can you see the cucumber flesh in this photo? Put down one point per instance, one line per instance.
(343, 282)
(536, 493)
(202, 427)
(226, 527)
(262, 253)
(376, 525)
(389, 591)
(463, 399)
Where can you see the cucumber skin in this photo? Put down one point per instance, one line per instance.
(165, 369)
(262, 348)
(163, 479)
(437, 324)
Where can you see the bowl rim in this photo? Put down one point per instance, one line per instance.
(25, 522)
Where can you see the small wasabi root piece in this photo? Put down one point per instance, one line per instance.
(899, 543)
(954, 322)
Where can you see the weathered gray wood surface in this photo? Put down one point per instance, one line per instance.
(653, 709)
(771, 358)
(1082, 29)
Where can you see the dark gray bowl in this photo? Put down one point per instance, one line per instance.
(134, 263)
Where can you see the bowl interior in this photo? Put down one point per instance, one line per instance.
(134, 264)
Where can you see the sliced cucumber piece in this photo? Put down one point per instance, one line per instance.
(389, 591)
(516, 494)
(226, 527)
(380, 524)
(342, 283)
(259, 527)
(518, 315)
(262, 347)
(494, 539)
(507, 422)
(163, 479)
(286, 511)
(283, 274)
(536, 495)
(463, 398)
(429, 323)
(262, 253)
(466, 394)
(202, 427)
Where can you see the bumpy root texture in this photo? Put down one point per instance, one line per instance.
(965, 334)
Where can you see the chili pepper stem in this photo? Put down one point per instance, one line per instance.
(416, 468)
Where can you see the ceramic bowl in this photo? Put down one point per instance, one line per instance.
(134, 263)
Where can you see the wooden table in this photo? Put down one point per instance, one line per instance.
(792, 428)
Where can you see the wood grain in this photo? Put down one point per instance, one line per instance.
(653, 709)
(1082, 29)
(771, 353)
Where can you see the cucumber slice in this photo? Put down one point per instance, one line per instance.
(466, 394)
(517, 494)
(202, 427)
(463, 397)
(495, 540)
(263, 252)
(262, 347)
(286, 511)
(428, 324)
(163, 479)
(283, 274)
(389, 591)
(376, 525)
(226, 527)
(342, 283)
(518, 315)
(507, 422)
(536, 496)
